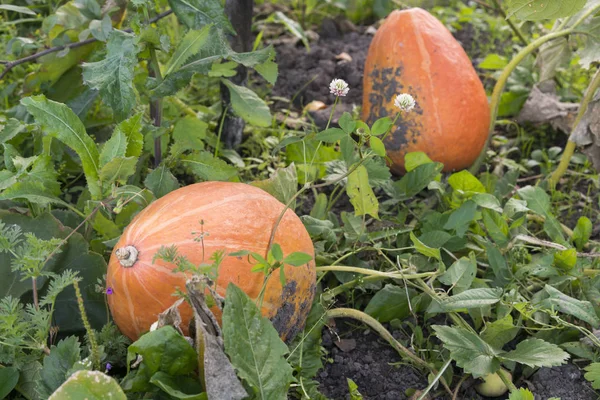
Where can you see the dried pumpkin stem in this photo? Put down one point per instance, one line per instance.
(127, 256)
(571, 145)
(385, 334)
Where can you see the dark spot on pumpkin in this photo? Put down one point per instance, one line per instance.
(284, 321)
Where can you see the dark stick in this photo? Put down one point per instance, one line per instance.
(11, 64)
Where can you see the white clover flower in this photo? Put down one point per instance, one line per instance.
(338, 87)
(405, 102)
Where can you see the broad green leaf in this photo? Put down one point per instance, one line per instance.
(566, 259)
(11, 128)
(593, 375)
(347, 123)
(209, 168)
(582, 232)
(297, 259)
(521, 394)
(497, 227)
(294, 27)
(33, 192)
(536, 10)
(416, 180)
(190, 45)
(89, 385)
(472, 298)
(466, 183)
(361, 194)
(460, 274)
(331, 135)
(381, 126)
(391, 302)
(223, 69)
(113, 76)
(498, 265)
(268, 70)
(468, 350)
(425, 250)
(9, 377)
(319, 228)
(537, 353)
(248, 105)
(377, 146)
(537, 199)
(500, 332)
(57, 365)
(195, 14)
(188, 134)
(486, 200)
(179, 387)
(59, 121)
(118, 170)
(163, 350)
(283, 184)
(18, 9)
(161, 181)
(415, 159)
(514, 206)
(566, 304)
(114, 147)
(461, 218)
(493, 61)
(254, 347)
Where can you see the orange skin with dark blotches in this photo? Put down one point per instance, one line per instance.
(412, 52)
(236, 217)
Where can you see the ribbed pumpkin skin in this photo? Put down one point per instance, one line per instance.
(236, 217)
(413, 52)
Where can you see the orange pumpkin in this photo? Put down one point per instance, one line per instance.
(413, 52)
(236, 217)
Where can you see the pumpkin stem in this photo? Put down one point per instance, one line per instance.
(127, 256)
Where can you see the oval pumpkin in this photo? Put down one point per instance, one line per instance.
(235, 217)
(413, 52)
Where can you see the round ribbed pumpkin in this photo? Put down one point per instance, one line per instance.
(235, 217)
(413, 52)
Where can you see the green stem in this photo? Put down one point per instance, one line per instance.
(220, 131)
(437, 377)
(571, 145)
(501, 83)
(373, 272)
(515, 29)
(332, 293)
(506, 379)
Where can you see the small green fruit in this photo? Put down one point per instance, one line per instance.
(492, 385)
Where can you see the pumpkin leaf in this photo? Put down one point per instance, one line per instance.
(195, 14)
(361, 194)
(59, 121)
(9, 377)
(535, 10)
(248, 105)
(113, 76)
(254, 347)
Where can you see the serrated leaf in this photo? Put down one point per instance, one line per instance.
(132, 128)
(224, 69)
(113, 76)
(361, 194)
(195, 14)
(254, 347)
(500, 332)
(268, 70)
(472, 298)
(59, 121)
(416, 180)
(377, 146)
(188, 134)
(34, 192)
(593, 375)
(56, 365)
(468, 350)
(190, 45)
(330, 135)
(537, 353)
(584, 310)
(11, 128)
(283, 184)
(161, 181)
(498, 265)
(118, 170)
(116, 146)
(535, 10)
(248, 105)
(209, 168)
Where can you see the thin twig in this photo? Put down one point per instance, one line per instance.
(11, 64)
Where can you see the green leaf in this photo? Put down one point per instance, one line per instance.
(381, 126)
(582, 232)
(59, 121)
(593, 375)
(566, 259)
(468, 350)
(190, 45)
(282, 184)
(57, 365)
(461, 218)
(331, 135)
(472, 298)
(89, 385)
(132, 128)
(584, 310)
(460, 274)
(536, 10)
(416, 180)
(493, 62)
(425, 250)
(489, 201)
(521, 394)
(254, 347)
(537, 199)
(268, 70)
(415, 159)
(18, 9)
(465, 182)
(537, 353)
(353, 389)
(209, 168)
(9, 377)
(113, 76)
(248, 105)
(347, 123)
(391, 302)
(162, 350)
(498, 265)
(298, 259)
(195, 14)
(294, 27)
(33, 192)
(11, 128)
(114, 147)
(361, 194)
(500, 332)
(188, 134)
(118, 170)
(161, 181)
(377, 146)
(179, 387)
(223, 69)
